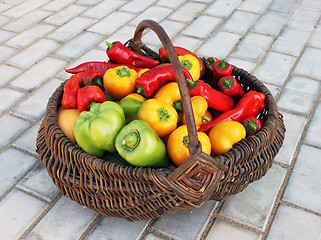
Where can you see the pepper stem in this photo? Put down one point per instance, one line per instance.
(227, 83)
(92, 103)
(186, 64)
(163, 114)
(222, 64)
(186, 140)
(211, 60)
(131, 140)
(98, 81)
(178, 106)
(192, 84)
(251, 126)
(140, 89)
(109, 45)
(123, 72)
(206, 118)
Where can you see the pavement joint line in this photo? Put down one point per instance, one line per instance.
(91, 226)
(298, 207)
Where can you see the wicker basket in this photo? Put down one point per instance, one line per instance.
(136, 193)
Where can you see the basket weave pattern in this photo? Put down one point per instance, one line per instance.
(137, 193)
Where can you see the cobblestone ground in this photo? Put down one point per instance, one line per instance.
(279, 41)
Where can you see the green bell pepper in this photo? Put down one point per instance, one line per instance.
(131, 104)
(139, 144)
(95, 131)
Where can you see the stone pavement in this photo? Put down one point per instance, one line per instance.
(279, 41)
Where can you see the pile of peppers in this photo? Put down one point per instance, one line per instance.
(132, 106)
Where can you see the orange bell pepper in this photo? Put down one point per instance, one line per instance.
(160, 116)
(199, 105)
(169, 94)
(120, 81)
(177, 145)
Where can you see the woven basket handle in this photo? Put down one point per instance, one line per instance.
(195, 148)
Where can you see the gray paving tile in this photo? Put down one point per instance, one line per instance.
(152, 236)
(315, 40)
(23, 8)
(66, 220)
(17, 212)
(8, 133)
(37, 74)
(222, 230)
(8, 97)
(156, 13)
(312, 4)
(35, 105)
(170, 3)
(256, 6)
(275, 68)
(308, 65)
(6, 52)
(187, 42)
(312, 135)
(5, 35)
(88, 2)
(219, 45)
(222, 8)
(64, 15)
(282, 6)
(294, 224)
(291, 41)
(239, 22)
(253, 206)
(304, 186)
(4, 6)
(270, 23)
(8, 73)
(185, 224)
(102, 9)
(136, 6)
(114, 229)
(304, 19)
(57, 5)
(187, 12)
(4, 19)
(13, 165)
(241, 63)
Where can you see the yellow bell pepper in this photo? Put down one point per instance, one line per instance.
(199, 105)
(177, 145)
(169, 94)
(224, 134)
(120, 81)
(192, 64)
(160, 116)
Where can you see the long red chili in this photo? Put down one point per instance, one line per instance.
(231, 87)
(87, 95)
(119, 53)
(151, 80)
(215, 99)
(249, 105)
(98, 66)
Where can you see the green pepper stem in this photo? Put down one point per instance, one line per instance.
(186, 64)
(98, 81)
(109, 45)
(192, 84)
(140, 89)
(206, 118)
(222, 64)
(211, 61)
(186, 141)
(123, 72)
(131, 140)
(251, 126)
(163, 114)
(227, 83)
(178, 106)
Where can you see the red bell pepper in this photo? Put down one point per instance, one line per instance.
(221, 69)
(72, 86)
(249, 105)
(87, 95)
(180, 52)
(252, 125)
(231, 87)
(98, 66)
(119, 53)
(151, 80)
(215, 99)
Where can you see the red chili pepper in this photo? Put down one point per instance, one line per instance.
(221, 69)
(151, 80)
(119, 53)
(98, 66)
(215, 99)
(72, 86)
(231, 87)
(249, 105)
(252, 125)
(181, 52)
(87, 95)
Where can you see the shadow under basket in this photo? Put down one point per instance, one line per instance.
(115, 189)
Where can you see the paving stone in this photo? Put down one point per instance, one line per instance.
(17, 212)
(34, 106)
(197, 29)
(303, 19)
(185, 224)
(72, 28)
(4, 19)
(30, 35)
(187, 12)
(5, 35)
(257, 6)
(273, 89)
(4, 6)
(137, 6)
(304, 187)
(315, 39)
(170, 3)
(291, 41)
(6, 52)
(66, 220)
(102, 9)
(294, 127)
(23, 8)
(275, 68)
(114, 229)
(312, 135)
(78, 45)
(312, 4)
(8, 97)
(37, 74)
(154, 12)
(8, 132)
(187, 42)
(117, 18)
(13, 165)
(253, 206)
(282, 6)
(34, 53)
(241, 63)
(57, 5)
(252, 47)
(64, 15)
(39, 183)
(222, 230)
(123, 35)
(294, 224)
(308, 65)
(222, 8)
(239, 22)
(8, 73)
(270, 23)
(152, 236)
(225, 40)
(89, 2)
